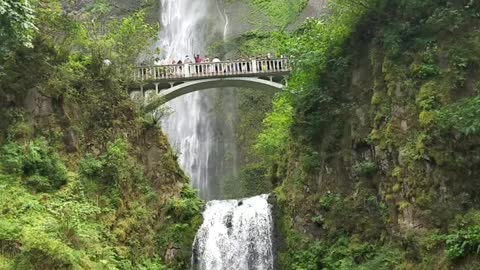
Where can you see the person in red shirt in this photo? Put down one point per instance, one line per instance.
(198, 60)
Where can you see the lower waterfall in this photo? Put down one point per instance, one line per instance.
(235, 234)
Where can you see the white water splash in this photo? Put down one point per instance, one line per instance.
(235, 234)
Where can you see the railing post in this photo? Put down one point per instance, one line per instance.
(156, 87)
(186, 70)
(254, 66)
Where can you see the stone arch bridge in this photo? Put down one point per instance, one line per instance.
(172, 81)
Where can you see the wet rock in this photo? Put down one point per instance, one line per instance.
(71, 141)
(38, 105)
(404, 125)
(171, 253)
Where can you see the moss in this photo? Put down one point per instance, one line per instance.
(426, 118)
(366, 168)
(376, 99)
(396, 188)
(427, 98)
(396, 172)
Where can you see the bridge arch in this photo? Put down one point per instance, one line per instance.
(238, 82)
(169, 94)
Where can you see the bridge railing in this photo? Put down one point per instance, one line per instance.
(212, 69)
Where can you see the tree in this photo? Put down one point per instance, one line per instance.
(16, 24)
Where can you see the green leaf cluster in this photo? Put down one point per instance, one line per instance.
(37, 163)
(17, 28)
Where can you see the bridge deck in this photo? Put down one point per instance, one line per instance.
(195, 71)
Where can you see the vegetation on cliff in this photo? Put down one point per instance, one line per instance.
(86, 180)
(373, 149)
(375, 145)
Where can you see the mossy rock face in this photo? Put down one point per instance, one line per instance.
(411, 114)
(85, 181)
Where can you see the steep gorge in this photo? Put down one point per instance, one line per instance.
(372, 152)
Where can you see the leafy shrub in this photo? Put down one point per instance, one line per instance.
(464, 237)
(38, 164)
(41, 161)
(463, 117)
(376, 99)
(426, 118)
(329, 201)
(38, 183)
(346, 254)
(309, 259)
(272, 141)
(281, 12)
(253, 181)
(152, 265)
(366, 168)
(462, 242)
(187, 206)
(310, 161)
(427, 98)
(11, 158)
(113, 168)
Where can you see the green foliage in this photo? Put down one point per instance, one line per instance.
(12, 158)
(345, 254)
(38, 163)
(42, 161)
(76, 227)
(464, 236)
(16, 25)
(102, 212)
(114, 168)
(426, 118)
(427, 67)
(462, 117)
(250, 44)
(272, 141)
(187, 206)
(423, 56)
(281, 12)
(251, 181)
(311, 106)
(366, 168)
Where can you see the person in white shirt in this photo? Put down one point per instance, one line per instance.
(216, 68)
(209, 67)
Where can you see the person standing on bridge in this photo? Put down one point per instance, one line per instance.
(198, 60)
(179, 70)
(269, 61)
(208, 68)
(216, 60)
(188, 61)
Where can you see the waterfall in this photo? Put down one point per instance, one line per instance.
(199, 135)
(235, 234)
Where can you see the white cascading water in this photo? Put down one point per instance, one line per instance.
(235, 234)
(191, 128)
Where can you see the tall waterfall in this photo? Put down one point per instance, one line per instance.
(235, 234)
(196, 131)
